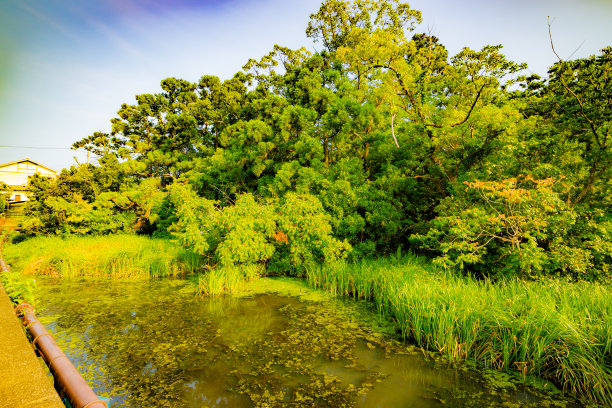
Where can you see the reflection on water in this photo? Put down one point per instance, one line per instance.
(156, 344)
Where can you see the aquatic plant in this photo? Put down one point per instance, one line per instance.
(221, 280)
(556, 330)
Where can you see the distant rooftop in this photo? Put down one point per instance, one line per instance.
(27, 159)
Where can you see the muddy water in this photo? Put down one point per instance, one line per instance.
(157, 344)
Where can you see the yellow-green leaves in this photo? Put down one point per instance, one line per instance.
(247, 228)
(493, 221)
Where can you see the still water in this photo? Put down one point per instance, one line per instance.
(157, 344)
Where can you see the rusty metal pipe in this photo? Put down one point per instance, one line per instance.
(69, 382)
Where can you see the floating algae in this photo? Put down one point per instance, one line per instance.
(280, 344)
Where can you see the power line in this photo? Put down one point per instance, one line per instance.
(37, 147)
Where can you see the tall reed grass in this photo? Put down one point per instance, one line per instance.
(117, 256)
(221, 280)
(555, 330)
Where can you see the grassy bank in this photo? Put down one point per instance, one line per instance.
(555, 330)
(118, 256)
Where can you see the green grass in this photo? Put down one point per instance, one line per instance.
(117, 256)
(551, 329)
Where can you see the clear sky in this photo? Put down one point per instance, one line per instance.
(67, 65)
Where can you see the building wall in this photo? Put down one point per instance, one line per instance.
(16, 176)
(20, 194)
(17, 173)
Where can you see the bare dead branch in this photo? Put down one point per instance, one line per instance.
(393, 131)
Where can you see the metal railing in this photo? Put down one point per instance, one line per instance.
(68, 382)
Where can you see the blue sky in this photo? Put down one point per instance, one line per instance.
(67, 65)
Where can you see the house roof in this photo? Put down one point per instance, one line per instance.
(27, 159)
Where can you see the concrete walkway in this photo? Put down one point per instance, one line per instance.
(23, 381)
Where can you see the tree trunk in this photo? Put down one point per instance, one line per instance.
(593, 175)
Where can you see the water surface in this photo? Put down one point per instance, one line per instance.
(157, 344)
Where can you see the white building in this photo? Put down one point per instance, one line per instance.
(15, 174)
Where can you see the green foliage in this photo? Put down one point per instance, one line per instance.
(336, 20)
(305, 230)
(17, 238)
(290, 235)
(514, 226)
(576, 101)
(222, 280)
(4, 204)
(18, 287)
(79, 202)
(5, 194)
(247, 228)
(195, 225)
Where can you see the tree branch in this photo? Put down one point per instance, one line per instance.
(567, 88)
(393, 131)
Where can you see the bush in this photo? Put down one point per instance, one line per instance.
(288, 235)
(16, 239)
(518, 226)
(305, 235)
(246, 230)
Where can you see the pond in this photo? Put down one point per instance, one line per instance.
(281, 344)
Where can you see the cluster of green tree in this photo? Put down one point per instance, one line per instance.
(377, 141)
